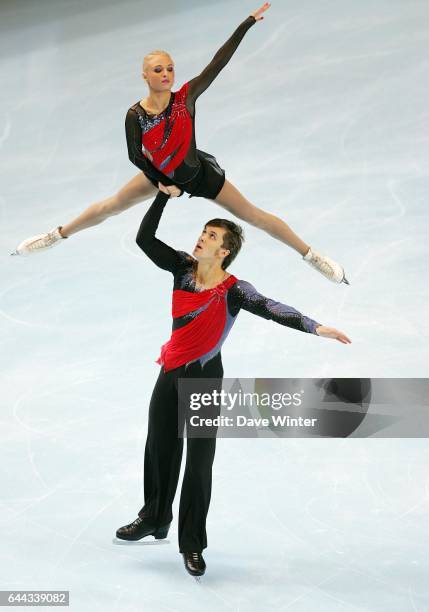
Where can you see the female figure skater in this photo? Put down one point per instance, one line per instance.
(161, 142)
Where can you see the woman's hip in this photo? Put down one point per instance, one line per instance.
(206, 183)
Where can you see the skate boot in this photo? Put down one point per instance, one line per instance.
(139, 529)
(326, 266)
(39, 243)
(194, 563)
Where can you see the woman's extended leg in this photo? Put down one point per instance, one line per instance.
(232, 200)
(137, 189)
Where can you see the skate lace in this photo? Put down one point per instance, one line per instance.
(34, 245)
(195, 556)
(323, 265)
(45, 241)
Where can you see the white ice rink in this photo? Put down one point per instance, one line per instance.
(321, 117)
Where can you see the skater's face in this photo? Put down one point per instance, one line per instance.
(159, 72)
(209, 245)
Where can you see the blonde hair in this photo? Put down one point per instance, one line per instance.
(149, 56)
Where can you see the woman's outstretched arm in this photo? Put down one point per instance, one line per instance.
(200, 83)
(222, 57)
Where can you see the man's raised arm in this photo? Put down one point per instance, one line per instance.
(161, 254)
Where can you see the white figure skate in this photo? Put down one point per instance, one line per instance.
(326, 266)
(39, 243)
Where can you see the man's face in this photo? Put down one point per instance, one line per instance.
(209, 245)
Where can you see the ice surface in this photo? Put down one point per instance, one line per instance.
(320, 117)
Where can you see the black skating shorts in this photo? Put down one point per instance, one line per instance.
(206, 184)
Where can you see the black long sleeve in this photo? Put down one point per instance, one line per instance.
(133, 133)
(200, 83)
(161, 254)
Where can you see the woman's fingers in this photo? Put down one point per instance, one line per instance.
(172, 190)
(162, 187)
(257, 14)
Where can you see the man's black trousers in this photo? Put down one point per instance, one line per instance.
(163, 456)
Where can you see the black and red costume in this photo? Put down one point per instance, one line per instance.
(163, 146)
(201, 323)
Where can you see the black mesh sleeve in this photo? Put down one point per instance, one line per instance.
(219, 61)
(133, 133)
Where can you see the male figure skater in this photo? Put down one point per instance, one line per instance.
(206, 302)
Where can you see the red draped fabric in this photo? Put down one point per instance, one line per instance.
(202, 333)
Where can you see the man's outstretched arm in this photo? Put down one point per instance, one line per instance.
(161, 254)
(256, 303)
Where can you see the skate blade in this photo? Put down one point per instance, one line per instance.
(14, 253)
(198, 579)
(345, 281)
